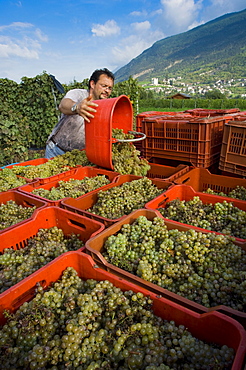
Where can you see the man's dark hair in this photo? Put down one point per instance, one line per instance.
(97, 73)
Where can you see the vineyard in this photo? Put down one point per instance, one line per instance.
(138, 266)
(29, 111)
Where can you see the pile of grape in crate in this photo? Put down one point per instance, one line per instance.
(11, 213)
(72, 188)
(221, 217)
(43, 248)
(239, 192)
(53, 166)
(125, 156)
(11, 178)
(206, 268)
(91, 324)
(123, 199)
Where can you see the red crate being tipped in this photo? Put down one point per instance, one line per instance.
(195, 140)
(111, 113)
(82, 204)
(212, 327)
(53, 182)
(186, 193)
(95, 248)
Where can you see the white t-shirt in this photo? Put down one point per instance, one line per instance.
(69, 132)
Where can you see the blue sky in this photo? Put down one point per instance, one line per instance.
(70, 39)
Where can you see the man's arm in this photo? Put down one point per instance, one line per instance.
(83, 108)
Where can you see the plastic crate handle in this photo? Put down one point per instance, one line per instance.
(143, 136)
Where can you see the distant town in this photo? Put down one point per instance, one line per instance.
(230, 88)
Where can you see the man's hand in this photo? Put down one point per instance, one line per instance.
(86, 107)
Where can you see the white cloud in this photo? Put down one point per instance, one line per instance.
(141, 26)
(109, 28)
(133, 45)
(18, 4)
(216, 8)
(157, 12)
(20, 39)
(40, 35)
(9, 48)
(180, 14)
(16, 25)
(144, 13)
(137, 13)
(195, 24)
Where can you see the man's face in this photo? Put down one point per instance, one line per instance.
(103, 88)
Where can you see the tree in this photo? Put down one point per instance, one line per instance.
(131, 88)
(214, 94)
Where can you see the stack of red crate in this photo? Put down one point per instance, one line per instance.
(184, 137)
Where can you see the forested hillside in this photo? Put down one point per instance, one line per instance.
(217, 49)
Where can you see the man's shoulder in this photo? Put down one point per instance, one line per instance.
(77, 94)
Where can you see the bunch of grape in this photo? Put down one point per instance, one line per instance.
(204, 267)
(54, 166)
(11, 213)
(91, 324)
(123, 199)
(9, 180)
(239, 192)
(125, 156)
(72, 188)
(41, 249)
(221, 217)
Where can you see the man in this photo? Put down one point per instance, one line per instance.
(77, 106)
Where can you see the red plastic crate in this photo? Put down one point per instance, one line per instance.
(155, 114)
(212, 327)
(76, 174)
(110, 113)
(233, 150)
(166, 173)
(95, 248)
(21, 199)
(51, 216)
(81, 204)
(193, 140)
(200, 179)
(31, 162)
(68, 222)
(186, 192)
(202, 112)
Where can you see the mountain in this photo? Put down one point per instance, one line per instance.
(216, 49)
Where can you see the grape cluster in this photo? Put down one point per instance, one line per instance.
(48, 244)
(87, 325)
(11, 213)
(54, 166)
(239, 192)
(9, 180)
(123, 199)
(206, 268)
(222, 217)
(72, 188)
(125, 156)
